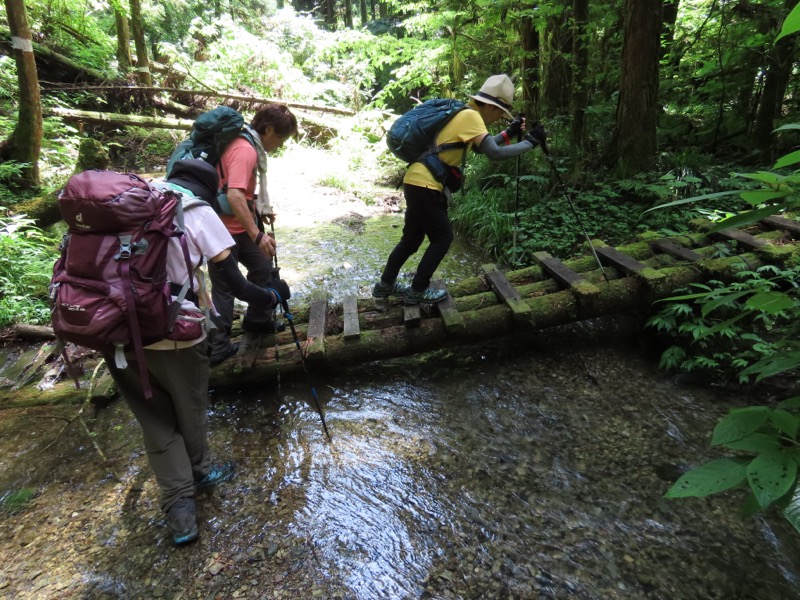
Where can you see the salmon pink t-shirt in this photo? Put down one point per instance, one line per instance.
(238, 169)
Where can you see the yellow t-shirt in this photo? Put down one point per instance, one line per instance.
(466, 125)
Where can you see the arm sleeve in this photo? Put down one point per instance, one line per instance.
(492, 151)
(241, 288)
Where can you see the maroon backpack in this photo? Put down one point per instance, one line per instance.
(110, 290)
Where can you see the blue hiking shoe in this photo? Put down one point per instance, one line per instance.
(429, 296)
(384, 290)
(217, 473)
(182, 521)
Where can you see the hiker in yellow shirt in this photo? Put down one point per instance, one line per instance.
(429, 182)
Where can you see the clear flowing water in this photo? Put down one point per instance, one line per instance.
(532, 467)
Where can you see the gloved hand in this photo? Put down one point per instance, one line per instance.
(280, 290)
(537, 136)
(514, 128)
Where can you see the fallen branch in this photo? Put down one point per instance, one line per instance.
(79, 415)
(119, 119)
(209, 93)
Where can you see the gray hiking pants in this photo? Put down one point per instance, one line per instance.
(259, 272)
(175, 420)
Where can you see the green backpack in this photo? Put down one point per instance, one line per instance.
(211, 133)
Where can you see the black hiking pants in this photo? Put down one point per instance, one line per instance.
(426, 215)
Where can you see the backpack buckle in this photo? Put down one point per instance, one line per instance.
(125, 248)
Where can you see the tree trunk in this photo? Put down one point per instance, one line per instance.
(581, 78)
(348, 14)
(330, 14)
(383, 10)
(364, 16)
(775, 83)
(556, 90)
(530, 68)
(633, 144)
(25, 142)
(670, 17)
(123, 41)
(142, 60)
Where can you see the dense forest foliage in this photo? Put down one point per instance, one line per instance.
(686, 105)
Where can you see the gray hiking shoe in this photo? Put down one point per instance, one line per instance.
(429, 296)
(182, 521)
(384, 290)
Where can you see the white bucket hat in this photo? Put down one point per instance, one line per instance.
(499, 91)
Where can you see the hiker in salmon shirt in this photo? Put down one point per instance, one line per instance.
(243, 179)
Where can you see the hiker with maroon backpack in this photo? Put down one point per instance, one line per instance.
(434, 174)
(159, 368)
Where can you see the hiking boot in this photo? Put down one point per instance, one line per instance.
(216, 359)
(217, 473)
(264, 327)
(182, 521)
(384, 290)
(429, 296)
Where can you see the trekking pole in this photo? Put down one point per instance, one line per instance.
(276, 275)
(290, 318)
(568, 196)
(516, 203)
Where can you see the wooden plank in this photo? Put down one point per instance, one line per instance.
(741, 238)
(412, 316)
(565, 276)
(453, 322)
(619, 260)
(352, 330)
(506, 292)
(317, 323)
(248, 350)
(675, 250)
(783, 224)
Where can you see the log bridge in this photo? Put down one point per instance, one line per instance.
(491, 305)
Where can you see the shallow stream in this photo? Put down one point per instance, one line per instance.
(528, 468)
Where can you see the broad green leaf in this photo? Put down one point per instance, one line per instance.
(725, 300)
(792, 512)
(756, 197)
(789, 127)
(771, 475)
(793, 402)
(774, 364)
(694, 199)
(746, 218)
(789, 159)
(770, 302)
(785, 422)
(756, 442)
(717, 476)
(791, 24)
(723, 326)
(739, 423)
(762, 176)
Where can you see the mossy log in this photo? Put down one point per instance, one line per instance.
(483, 314)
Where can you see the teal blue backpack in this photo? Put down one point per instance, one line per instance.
(211, 133)
(412, 137)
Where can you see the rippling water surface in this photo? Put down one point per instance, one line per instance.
(527, 468)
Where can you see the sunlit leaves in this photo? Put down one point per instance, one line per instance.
(791, 24)
(711, 478)
(771, 475)
(739, 424)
